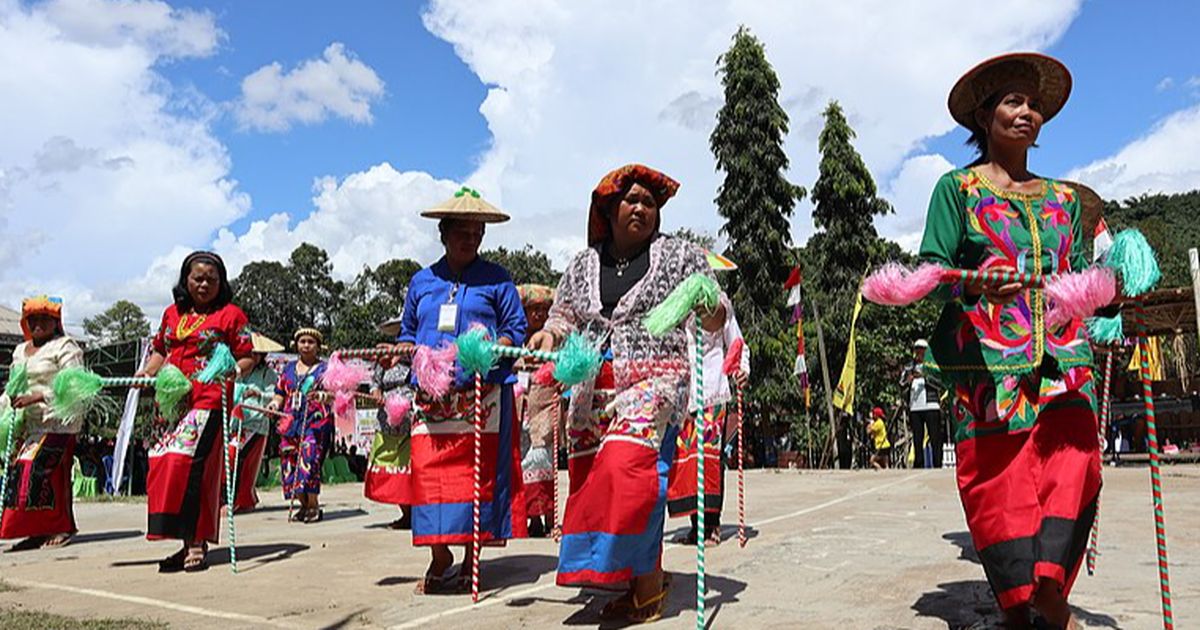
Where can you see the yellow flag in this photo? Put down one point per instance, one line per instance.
(843, 396)
(1154, 358)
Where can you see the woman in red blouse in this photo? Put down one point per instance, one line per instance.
(183, 486)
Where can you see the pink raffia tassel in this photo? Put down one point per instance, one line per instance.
(397, 408)
(343, 412)
(895, 285)
(1078, 295)
(518, 390)
(733, 357)
(435, 369)
(341, 376)
(544, 375)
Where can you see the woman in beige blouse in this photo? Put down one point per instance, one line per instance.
(37, 501)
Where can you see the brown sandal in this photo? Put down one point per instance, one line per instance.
(650, 610)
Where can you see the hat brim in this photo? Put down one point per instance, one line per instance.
(1091, 207)
(482, 216)
(389, 328)
(981, 82)
(264, 344)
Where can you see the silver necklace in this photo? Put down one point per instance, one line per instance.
(622, 265)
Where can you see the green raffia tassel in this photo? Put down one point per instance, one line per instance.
(1132, 257)
(696, 289)
(1105, 330)
(170, 388)
(578, 361)
(18, 381)
(10, 427)
(475, 351)
(76, 390)
(220, 363)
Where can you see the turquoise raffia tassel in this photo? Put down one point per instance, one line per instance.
(1105, 330)
(1132, 257)
(578, 361)
(476, 351)
(220, 363)
(696, 289)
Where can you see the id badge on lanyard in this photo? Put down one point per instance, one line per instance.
(448, 313)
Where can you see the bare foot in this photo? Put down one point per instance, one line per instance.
(1050, 603)
(196, 558)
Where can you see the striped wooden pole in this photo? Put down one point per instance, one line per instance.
(698, 378)
(741, 470)
(371, 353)
(1105, 408)
(230, 469)
(554, 437)
(476, 497)
(1160, 530)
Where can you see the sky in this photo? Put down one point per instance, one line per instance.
(134, 131)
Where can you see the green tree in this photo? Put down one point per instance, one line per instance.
(526, 265)
(757, 201)
(375, 296)
(700, 239)
(123, 321)
(270, 297)
(279, 298)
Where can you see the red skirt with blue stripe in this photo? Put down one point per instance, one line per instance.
(443, 457)
(613, 526)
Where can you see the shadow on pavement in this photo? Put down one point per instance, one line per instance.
(969, 604)
(966, 548)
(91, 537)
(347, 621)
(261, 554)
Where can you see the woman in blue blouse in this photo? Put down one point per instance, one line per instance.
(444, 300)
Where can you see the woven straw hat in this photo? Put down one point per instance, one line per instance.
(984, 80)
(1091, 207)
(265, 344)
(466, 204)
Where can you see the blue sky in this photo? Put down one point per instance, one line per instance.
(138, 130)
(429, 119)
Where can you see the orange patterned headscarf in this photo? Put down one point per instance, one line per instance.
(616, 183)
(534, 295)
(40, 305)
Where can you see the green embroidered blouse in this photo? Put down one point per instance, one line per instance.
(973, 224)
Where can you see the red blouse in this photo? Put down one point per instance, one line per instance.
(187, 343)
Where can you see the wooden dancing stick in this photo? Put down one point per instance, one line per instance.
(476, 497)
(1160, 530)
(231, 457)
(741, 470)
(1105, 409)
(700, 426)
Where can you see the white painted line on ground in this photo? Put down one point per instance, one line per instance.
(146, 601)
(492, 601)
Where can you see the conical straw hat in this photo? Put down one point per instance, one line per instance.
(263, 343)
(466, 204)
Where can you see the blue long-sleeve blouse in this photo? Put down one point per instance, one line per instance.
(484, 293)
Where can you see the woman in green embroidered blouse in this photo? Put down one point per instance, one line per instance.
(1028, 460)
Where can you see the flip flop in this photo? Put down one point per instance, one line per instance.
(197, 567)
(315, 517)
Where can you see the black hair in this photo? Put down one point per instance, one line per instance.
(183, 299)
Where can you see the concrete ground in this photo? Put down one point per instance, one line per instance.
(841, 550)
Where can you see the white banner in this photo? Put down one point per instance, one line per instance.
(125, 430)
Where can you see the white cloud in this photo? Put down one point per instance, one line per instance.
(149, 24)
(1164, 85)
(909, 193)
(337, 84)
(99, 172)
(577, 88)
(1162, 161)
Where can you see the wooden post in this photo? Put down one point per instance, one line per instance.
(825, 376)
(1194, 262)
